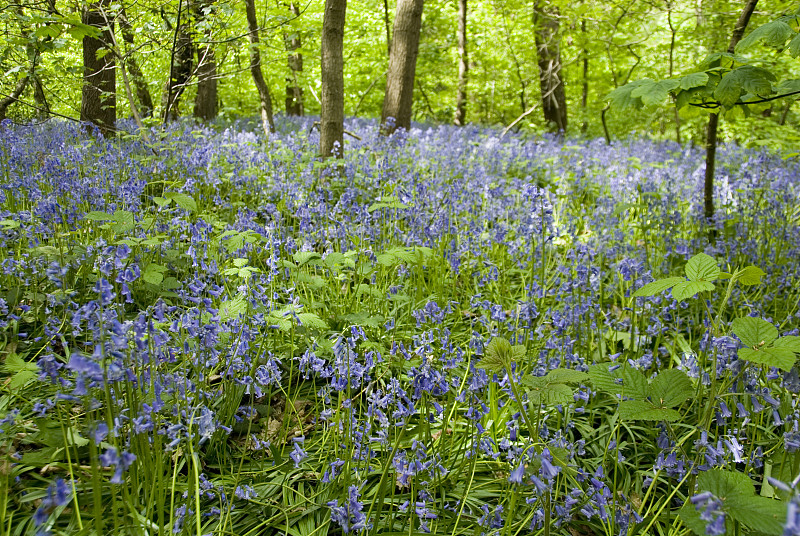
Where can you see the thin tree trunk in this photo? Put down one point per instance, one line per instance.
(99, 93)
(265, 100)
(585, 81)
(39, 98)
(713, 119)
(20, 86)
(399, 97)
(331, 132)
(673, 31)
(181, 60)
(548, 48)
(388, 31)
(139, 83)
(463, 65)
(205, 102)
(294, 93)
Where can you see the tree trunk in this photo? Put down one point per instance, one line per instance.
(331, 135)
(265, 100)
(139, 83)
(180, 71)
(39, 98)
(205, 102)
(402, 66)
(548, 49)
(99, 93)
(713, 119)
(388, 31)
(585, 81)
(294, 93)
(463, 65)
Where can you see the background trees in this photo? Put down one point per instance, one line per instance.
(583, 51)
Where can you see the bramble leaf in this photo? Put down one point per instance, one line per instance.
(660, 285)
(754, 332)
(687, 289)
(671, 388)
(702, 267)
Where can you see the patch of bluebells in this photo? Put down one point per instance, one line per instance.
(179, 368)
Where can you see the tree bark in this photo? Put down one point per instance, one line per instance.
(181, 64)
(99, 93)
(548, 49)
(331, 138)
(402, 66)
(294, 93)
(463, 65)
(139, 83)
(713, 119)
(205, 102)
(265, 100)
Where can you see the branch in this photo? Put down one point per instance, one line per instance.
(715, 105)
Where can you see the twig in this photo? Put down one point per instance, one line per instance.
(517, 120)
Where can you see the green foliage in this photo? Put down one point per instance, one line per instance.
(763, 345)
(553, 388)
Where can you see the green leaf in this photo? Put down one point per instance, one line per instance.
(783, 358)
(154, 273)
(671, 388)
(702, 267)
(96, 215)
(185, 201)
(750, 275)
(311, 320)
(754, 332)
(644, 411)
(634, 384)
(789, 86)
(791, 342)
(691, 518)
(161, 201)
(692, 80)
(726, 484)
(687, 289)
(233, 308)
(794, 46)
(125, 221)
(654, 92)
(540, 391)
(562, 375)
(657, 286)
(305, 257)
(759, 513)
(774, 34)
(621, 97)
(729, 89)
(603, 380)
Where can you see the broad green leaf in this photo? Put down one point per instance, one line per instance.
(789, 86)
(754, 332)
(774, 34)
(687, 289)
(692, 80)
(540, 391)
(729, 89)
(791, 342)
(497, 355)
(233, 308)
(562, 375)
(621, 97)
(312, 320)
(154, 273)
(161, 201)
(603, 380)
(185, 201)
(726, 484)
(305, 257)
(783, 358)
(750, 275)
(657, 286)
(363, 318)
(14, 363)
(96, 215)
(691, 518)
(654, 92)
(634, 384)
(702, 267)
(671, 388)
(125, 221)
(644, 411)
(9, 224)
(794, 46)
(21, 379)
(759, 513)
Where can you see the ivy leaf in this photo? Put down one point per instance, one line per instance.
(693, 80)
(754, 332)
(687, 289)
(671, 388)
(660, 285)
(750, 275)
(702, 267)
